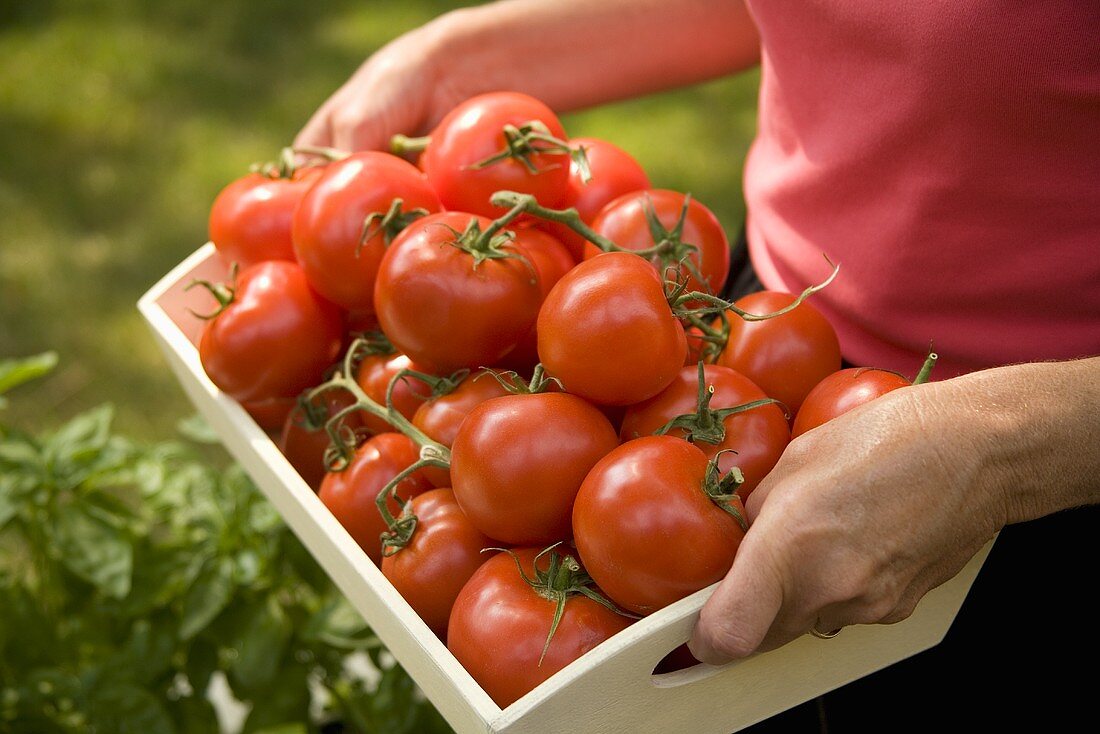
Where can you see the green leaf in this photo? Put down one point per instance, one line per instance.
(207, 597)
(161, 575)
(10, 496)
(261, 646)
(193, 715)
(14, 372)
(20, 452)
(93, 550)
(338, 624)
(82, 447)
(202, 661)
(294, 728)
(284, 700)
(147, 653)
(195, 428)
(128, 709)
(84, 434)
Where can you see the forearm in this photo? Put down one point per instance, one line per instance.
(577, 53)
(1038, 428)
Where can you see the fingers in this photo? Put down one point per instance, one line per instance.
(740, 613)
(318, 130)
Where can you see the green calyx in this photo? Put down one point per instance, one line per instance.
(707, 425)
(514, 383)
(223, 293)
(389, 224)
(495, 243)
(522, 143)
(286, 165)
(722, 489)
(563, 578)
(669, 248)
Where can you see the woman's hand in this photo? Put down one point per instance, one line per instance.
(865, 514)
(400, 88)
(567, 53)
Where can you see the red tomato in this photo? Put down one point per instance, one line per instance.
(787, 355)
(250, 219)
(274, 339)
(552, 261)
(758, 435)
(613, 172)
(472, 133)
(351, 494)
(444, 551)
(441, 417)
(500, 623)
(840, 392)
(374, 375)
(696, 346)
(518, 460)
(303, 439)
(643, 497)
(270, 413)
(446, 310)
(607, 332)
(625, 221)
(328, 224)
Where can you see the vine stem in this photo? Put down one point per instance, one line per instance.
(528, 204)
(400, 529)
(344, 379)
(926, 368)
(718, 305)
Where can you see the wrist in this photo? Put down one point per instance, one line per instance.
(1033, 432)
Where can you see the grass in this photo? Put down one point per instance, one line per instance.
(120, 120)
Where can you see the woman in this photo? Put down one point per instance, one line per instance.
(948, 154)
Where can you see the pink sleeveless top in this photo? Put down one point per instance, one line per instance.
(947, 154)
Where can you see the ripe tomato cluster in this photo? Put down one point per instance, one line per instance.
(544, 422)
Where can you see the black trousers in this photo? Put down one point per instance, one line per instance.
(1023, 654)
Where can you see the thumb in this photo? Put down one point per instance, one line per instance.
(737, 617)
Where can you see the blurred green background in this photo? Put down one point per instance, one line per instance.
(120, 120)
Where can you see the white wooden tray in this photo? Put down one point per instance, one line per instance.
(612, 688)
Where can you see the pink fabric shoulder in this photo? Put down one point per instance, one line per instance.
(947, 155)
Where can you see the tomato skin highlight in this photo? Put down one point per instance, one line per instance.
(758, 436)
(499, 625)
(250, 220)
(441, 310)
(441, 556)
(607, 332)
(328, 223)
(275, 339)
(645, 530)
(842, 391)
(518, 461)
(787, 355)
(350, 494)
(471, 133)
